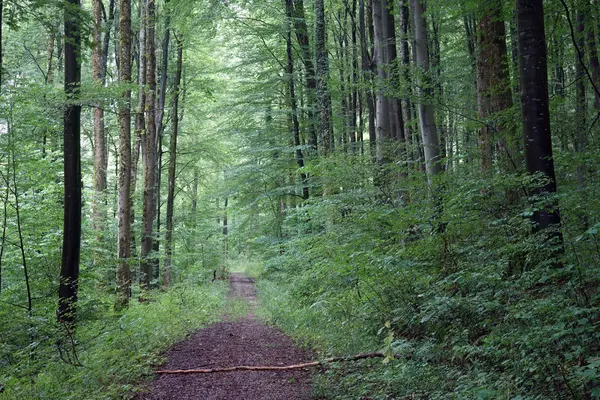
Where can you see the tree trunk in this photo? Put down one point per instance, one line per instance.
(325, 134)
(494, 94)
(69, 272)
(536, 113)
(160, 107)
(172, 167)
(294, 108)
(124, 178)
(1, 43)
(426, 112)
(412, 150)
(311, 81)
(383, 132)
(367, 74)
(100, 155)
(593, 57)
(140, 120)
(149, 154)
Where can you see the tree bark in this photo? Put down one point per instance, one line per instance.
(367, 62)
(100, 154)
(535, 108)
(294, 107)
(149, 153)
(1, 43)
(383, 132)
(324, 129)
(494, 94)
(69, 273)
(124, 176)
(310, 74)
(426, 112)
(411, 146)
(172, 167)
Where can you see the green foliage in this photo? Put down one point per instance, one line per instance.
(115, 352)
(477, 311)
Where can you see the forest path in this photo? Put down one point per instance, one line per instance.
(247, 341)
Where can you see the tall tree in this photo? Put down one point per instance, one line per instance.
(309, 68)
(382, 106)
(69, 273)
(494, 94)
(1, 42)
(124, 178)
(100, 153)
(172, 166)
(325, 131)
(292, 96)
(149, 152)
(534, 102)
(366, 64)
(429, 135)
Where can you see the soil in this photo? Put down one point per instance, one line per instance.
(247, 341)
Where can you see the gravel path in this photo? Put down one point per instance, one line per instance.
(244, 342)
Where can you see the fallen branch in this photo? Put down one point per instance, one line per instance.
(275, 368)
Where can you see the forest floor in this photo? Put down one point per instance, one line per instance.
(245, 341)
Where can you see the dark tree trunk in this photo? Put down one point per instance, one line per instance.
(124, 165)
(412, 150)
(534, 100)
(172, 166)
(367, 62)
(69, 273)
(100, 151)
(593, 56)
(324, 129)
(294, 108)
(149, 154)
(311, 80)
(494, 93)
(1, 43)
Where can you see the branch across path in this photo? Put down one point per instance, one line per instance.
(274, 368)
(246, 342)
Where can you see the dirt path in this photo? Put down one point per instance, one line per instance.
(244, 342)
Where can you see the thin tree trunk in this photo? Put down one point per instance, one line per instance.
(294, 108)
(426, 112)
(405, 53)
(149, 154)
(106, 41)
(100, 156)
(494, 93)
(124, 178)
(581, 139)
(1, 43)
(160, 108)
(367, 75)
(4, 219)
(69, 273)
(593, 57)
(325, 134)
(383, 132)
(140, 120)
(172, 167)
(311, 80)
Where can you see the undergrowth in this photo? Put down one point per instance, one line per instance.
(479, 309)
(115, 353)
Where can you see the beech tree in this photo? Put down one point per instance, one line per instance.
(69, 272)
(534, 104)
(149, 152)
(124, 184)
(428, 126)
